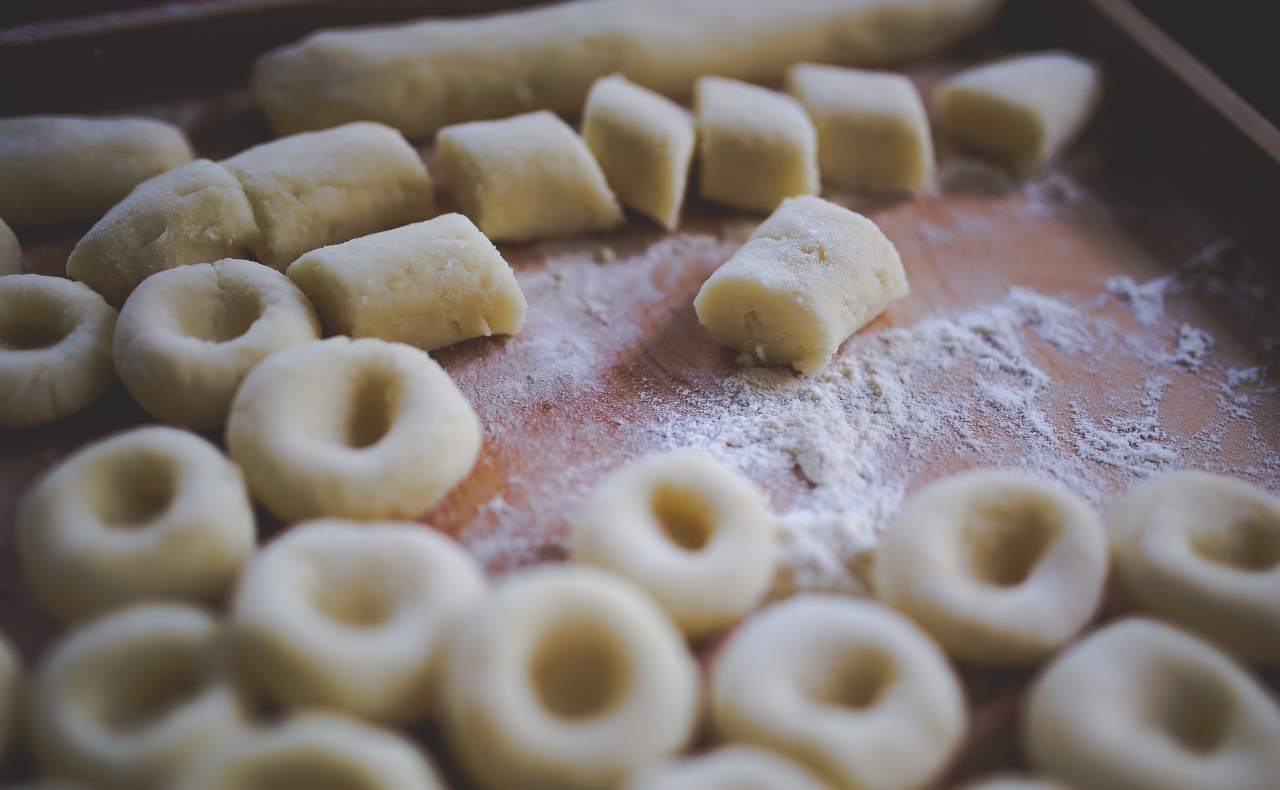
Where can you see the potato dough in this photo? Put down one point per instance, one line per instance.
(1014, 782)
(812, 274)
(319, 188)
(1138, 705)
(430, 285)
(11, 690)
(55, 348)
(728, 768)
(999, 567)
(526, 177)
(694, 534)
(1019, 110)
(195, 213)
(872, 127)
(188, 336)
(847, 687)
(756, 147)
(1203, 551)
(129, 699)
(151, 513)
(644, 143)
(56, 168)
(567, 678)
(10, 251)
(354, 428)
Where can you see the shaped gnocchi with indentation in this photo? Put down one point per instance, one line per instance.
(727, 768)
(1014, 782)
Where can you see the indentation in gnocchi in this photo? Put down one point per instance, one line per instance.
(226, 317)
(136, 488)
(1193, 709)
(148, 687)
(579, 671)
(861, 682)
(37, 327)
(372, 409)
(311, 771)
(683, 516)
(360, 603)
(1251, 545)
(1006, 543)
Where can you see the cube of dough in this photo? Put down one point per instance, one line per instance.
(812, 274)
(319, 188)
(1019, 110)
(872, 127)
(526, 177)
(431, 285)
(756, 146)
(644, 142)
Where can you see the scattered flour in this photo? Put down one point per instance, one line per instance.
(1193, 345)
(1145, 300)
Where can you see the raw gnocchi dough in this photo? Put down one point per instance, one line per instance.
(430, 285)
(188, 336)
(10, 251)
(525, 178)
(1020, 110)
(1138, 705)
(756, 147)
(872, 127)
(694, 534)
(57, 168)
(812, 274)
(1014, 782)
(644, 143)
(55, 348)
(319, 188)
(11, 688)
(727, 768)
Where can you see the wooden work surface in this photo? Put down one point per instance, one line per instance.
(1175, 177)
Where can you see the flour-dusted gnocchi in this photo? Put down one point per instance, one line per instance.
(195, 213)
(55, 348)
(130, 699)
(727, 768)
(756, 147)
(1014, 782)
(151, 513)
(1141, 706)
(353, 616)
(567, 677)
(525, 178)
(431, 284)
(693, 533)
(644, 143)
(188, 336)
(1020, 110)
(360, 429)
(999, 567)
(59, 168)
(812, 274)
(10, 251)
(872, 127)
(846, 687)
(11, 690)
(1203, 551)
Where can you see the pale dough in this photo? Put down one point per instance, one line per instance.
(319, 188)
(811, 274)
(150, 513)
(63, 168)
(1138, 705)
(526, 177)
(644, 143)
(756, 147)
(431, 284)
(11, 691)
(10, 251)
(55, 348)
(361, 429)
(1014, 782)
(195, 213)
(728, 768)
(872, 127)
(1020, 110)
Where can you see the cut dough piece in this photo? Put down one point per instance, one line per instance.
(10, 251)
(430, 285)
(568, 677)
(352, 616)
(644, 143)
(147, 514)
(314, 750)
(1000, 567)
(55, 348)
(693, 533)
(195, 213)
(56, 168)
(847, 687)
(1203, 551)
(128, 700)
(811, 275)
(11, 689)
(727, 768)
(526, 177)
(1141, 706)
(1021, 110)
(1014, 782)
(360, 429)
(756, 147)
(188, 336)
(872, 126)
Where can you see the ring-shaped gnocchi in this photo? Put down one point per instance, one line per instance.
(727, 768)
